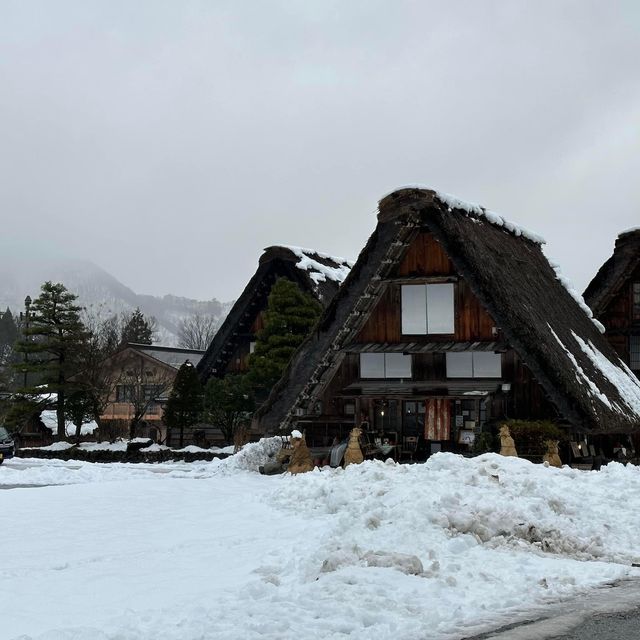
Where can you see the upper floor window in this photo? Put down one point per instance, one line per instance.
(636, 301)
(385, 365)
(125, 392)
(427, 309)
(634, 353)
(474, 364)
(151, 391)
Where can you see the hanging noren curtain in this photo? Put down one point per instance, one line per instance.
(437, 424)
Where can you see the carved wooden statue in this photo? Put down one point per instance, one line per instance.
(552, 457)
(353, 454)
(507, 445)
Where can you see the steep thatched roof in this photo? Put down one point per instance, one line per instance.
(613, 274)
(316, 273)
(507, 271)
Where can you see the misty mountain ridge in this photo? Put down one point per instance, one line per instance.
(100, 291)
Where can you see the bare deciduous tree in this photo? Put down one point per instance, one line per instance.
(197, 331)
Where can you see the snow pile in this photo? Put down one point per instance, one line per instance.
(568, 285)
(58, 446)
(251, 456)
(490, 216)
(320, 272)
(493, 501)
(154, 448)
(441, 550)
(119, 445)
(191, 448)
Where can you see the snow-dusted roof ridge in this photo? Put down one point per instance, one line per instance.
(573, 292)
(490, 216)
(320, 272)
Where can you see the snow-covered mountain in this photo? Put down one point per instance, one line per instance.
(100, 290)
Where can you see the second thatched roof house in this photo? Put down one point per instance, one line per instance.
(317, 274)
(451, 317)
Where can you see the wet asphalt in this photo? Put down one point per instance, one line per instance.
(609, 613)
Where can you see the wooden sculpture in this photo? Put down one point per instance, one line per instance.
(551, 456)
(353, 454)
(507, 445)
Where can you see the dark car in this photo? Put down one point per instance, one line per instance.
(7, 446)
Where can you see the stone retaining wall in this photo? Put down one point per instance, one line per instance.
(132, 454)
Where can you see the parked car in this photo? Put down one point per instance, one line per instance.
(7, 446)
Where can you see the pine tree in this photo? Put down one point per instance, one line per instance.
(136, 328)
(228, 403)
(184, 405)
(289, 317)
(51, 344)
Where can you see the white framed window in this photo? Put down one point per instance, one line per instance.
(474, 364)
(427, 309)
(459, 364)
(385, 365)
(487, 364)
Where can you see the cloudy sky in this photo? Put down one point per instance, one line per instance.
(170, 141)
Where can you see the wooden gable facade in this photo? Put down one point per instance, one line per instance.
(427, 403)
(614, 297)
(450, 319)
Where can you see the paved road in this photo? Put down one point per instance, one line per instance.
(607, 626)
(608, 614)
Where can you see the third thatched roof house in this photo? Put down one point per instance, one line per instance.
(450, 317)
(614, 296)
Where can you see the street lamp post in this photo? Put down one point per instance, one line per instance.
(25, 318)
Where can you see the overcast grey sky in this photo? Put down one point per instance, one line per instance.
(169, 142)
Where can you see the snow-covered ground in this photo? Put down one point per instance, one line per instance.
(186, 551)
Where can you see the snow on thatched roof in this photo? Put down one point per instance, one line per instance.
(321, 266)
(509, 274)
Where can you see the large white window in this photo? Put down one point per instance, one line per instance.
(385, 365)
(427, 309)
(474, 364)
